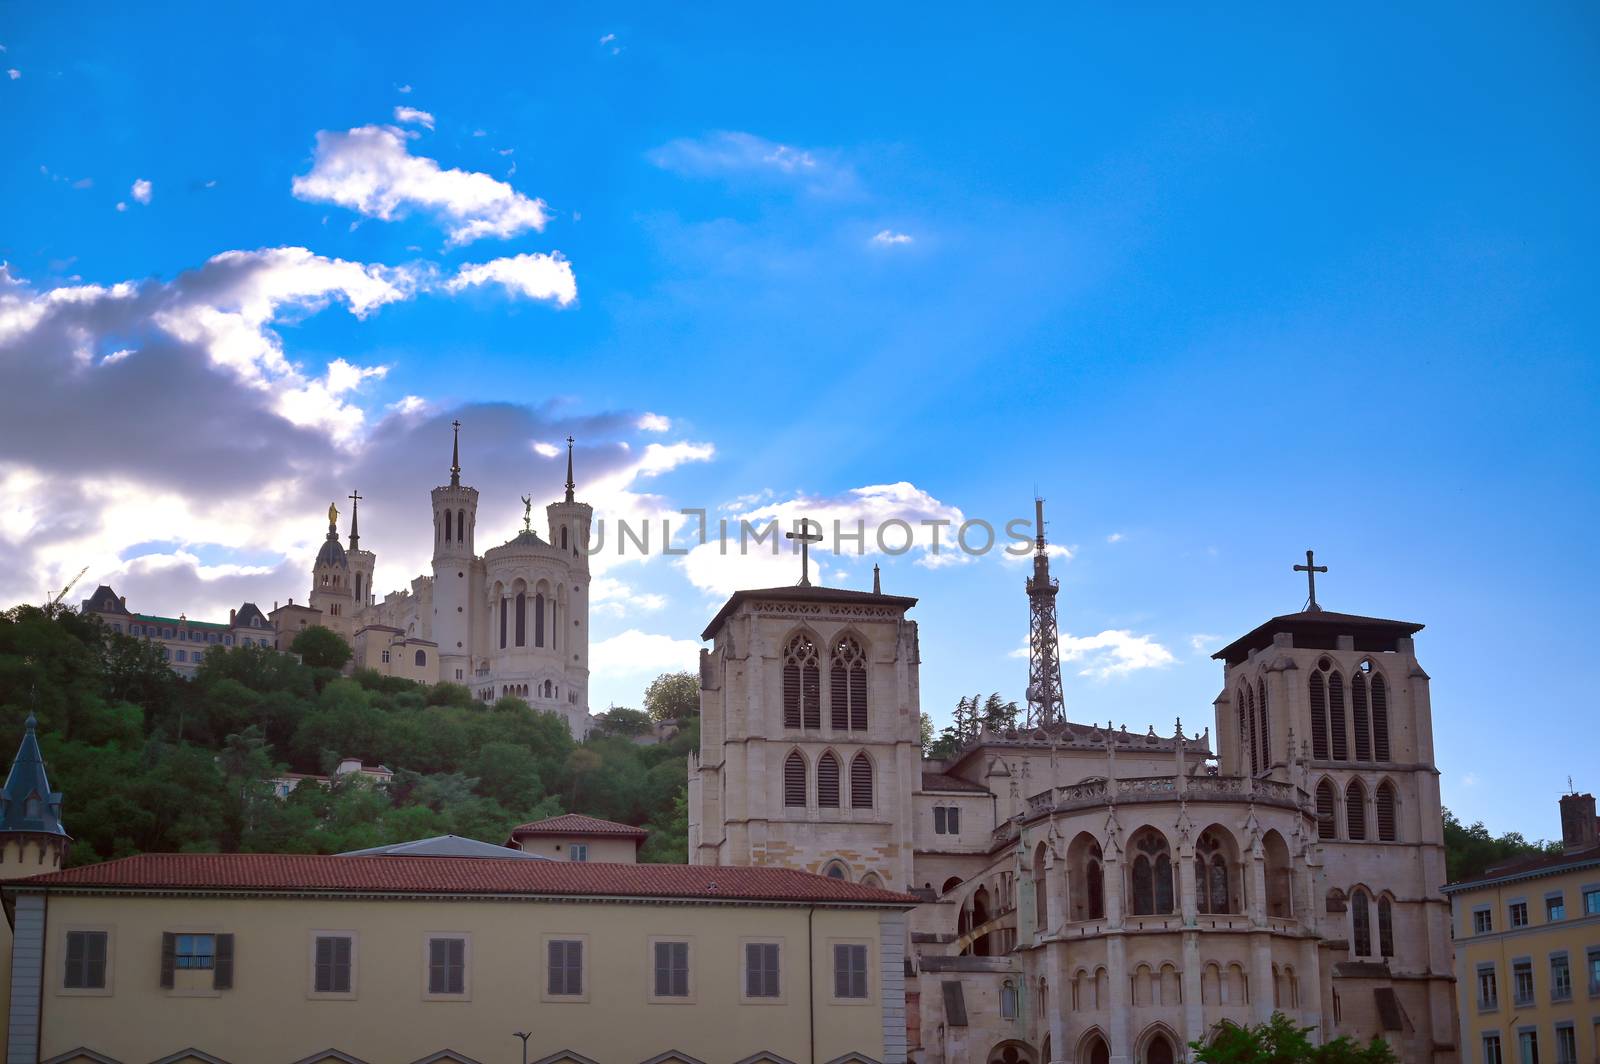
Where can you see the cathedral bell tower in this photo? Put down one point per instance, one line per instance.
(362, 562)
(455, 516)
(332, 582)
(570, 522)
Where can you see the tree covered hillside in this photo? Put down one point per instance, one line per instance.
(151, 762)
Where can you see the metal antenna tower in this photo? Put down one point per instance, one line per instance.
(1045, 705)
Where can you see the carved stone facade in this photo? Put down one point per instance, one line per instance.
(1094, 894)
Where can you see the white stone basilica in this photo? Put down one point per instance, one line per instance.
(512, 621)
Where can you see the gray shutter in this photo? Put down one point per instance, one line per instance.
(438, 963)
(75, 960)
(222, 974)
(841, 971)
(169, 957)
(341, 965)
(458, 966)
(955, 820)
(663, 969)
(94, 972)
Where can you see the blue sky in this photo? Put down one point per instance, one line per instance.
(1222, 286)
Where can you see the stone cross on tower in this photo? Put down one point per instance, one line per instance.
(805, 538)
(1311, 569)
(355, 528)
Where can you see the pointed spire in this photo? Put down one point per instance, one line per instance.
(877, 584)
(28, 803)
(571, 487)
(355, 528)
(455, 455)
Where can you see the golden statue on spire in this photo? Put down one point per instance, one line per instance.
(333, 514)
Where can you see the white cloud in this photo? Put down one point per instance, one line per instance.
(1114, 652)
(412, 117)
(654, 423)
(121, 206)
(1200, 643)
(889, 238)
(537, 276)
(729, 153)
(613, 598)
(636, 652)
(1061, 552)
(608, 38)
(546, 450)
(1115, 537)
(142, 191)
(370, 169)
(13, 73)
(404, 90)
(1470, 780)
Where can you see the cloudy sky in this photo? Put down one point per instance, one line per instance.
(1221, 290)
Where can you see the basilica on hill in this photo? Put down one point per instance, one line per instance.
(1090, 894)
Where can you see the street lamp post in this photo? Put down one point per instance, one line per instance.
(524, 1035)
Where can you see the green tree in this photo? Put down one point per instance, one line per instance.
(673, 696)
(1469, 851)
(321, 648)
(620, 721)
(509, 774)
(1281, 1041)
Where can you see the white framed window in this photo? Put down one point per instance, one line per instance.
(1519, 914)
(195, 953)
(671, 977)
(1528, 1047)
(1482, 921)
(1491, 1049)
(851, 972)
(1488, 989)
(564, 977)
(578, 851)
(86, 961)
(762, 964)
(447, 966)
(1555, 907)
(333, 964)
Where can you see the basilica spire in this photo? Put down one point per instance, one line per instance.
(1045, 704)
(455, 456)
(355, 528)
(571, 487)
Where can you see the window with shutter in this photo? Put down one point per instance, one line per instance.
(761, 970)
(566, 967)
(1319, 716)
(1386, 803)
(1360, 925)
(849, 971)
(1355, 812)
(1359, 716)
(86, 960)
(848, 686)
(222, 972)
(802, 684)
(828, 781)
(1327, 817)
(1263, 736)
(671, 969)
(794, 780)
(861, 782)
(953, 820)
(1380, 718)
(1339, 741)
(447, 966)
(1385, 928)
(938, 820)
(169, 958)
(333, 964)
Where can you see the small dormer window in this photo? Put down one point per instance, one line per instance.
(33, 808)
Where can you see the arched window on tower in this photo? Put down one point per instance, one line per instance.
(1386, 812)
(1360, 720)
(794, 780)
(1152, 875)
(1319, 713)
(563, 537)
(1210, 875)
(828, 781)
(1360, 924)
(1380, 718)
(1338, 739)
(1355, 812)
(1247, 741)
(461, 526)
(1263, 735)
(802, 684)
(538, 619)
(861, 782)
(447, 528)
(521, 611)
(422, 658)
(1385, 928)
(847, 688)
(503, 611)
(1327, 816)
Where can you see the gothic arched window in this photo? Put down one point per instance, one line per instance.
(828, 781)
(504, 608)
(1380, 718)
(1247, 741)
(794, 780)
(847, 689)
(1327, 818)
(1152, 875)
(1263, 735)
(521, 613)
(1359, 717)
(1385, 928)
(1339, 741)
(563, 537)
(861, 782)
(1360, 924)
(1355, 812)
(1210, 876)
(447, 526)
(802, 684)
(1386, 804)
(538, 619)
(1097, 890)
(422, 658)
(461, 526)
(1319, 713)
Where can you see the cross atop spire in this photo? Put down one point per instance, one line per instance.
(805, 537)
(1311, 569)
(355, 529)
(455, 456)
(571, 487)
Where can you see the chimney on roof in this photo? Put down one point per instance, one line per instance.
(1578, 826)
(124, 600)
(233, 615)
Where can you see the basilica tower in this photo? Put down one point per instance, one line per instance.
(570, 522)
(332, 582)
(362, 562)
(455, 514)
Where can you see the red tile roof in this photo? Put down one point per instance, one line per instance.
(577, 824)
(317, 873)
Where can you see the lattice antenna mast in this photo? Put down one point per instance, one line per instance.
(1045, 705)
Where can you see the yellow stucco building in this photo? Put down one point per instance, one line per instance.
(1527, 938)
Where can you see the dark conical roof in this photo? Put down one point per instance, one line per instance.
(28, 803)
(332, 553)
